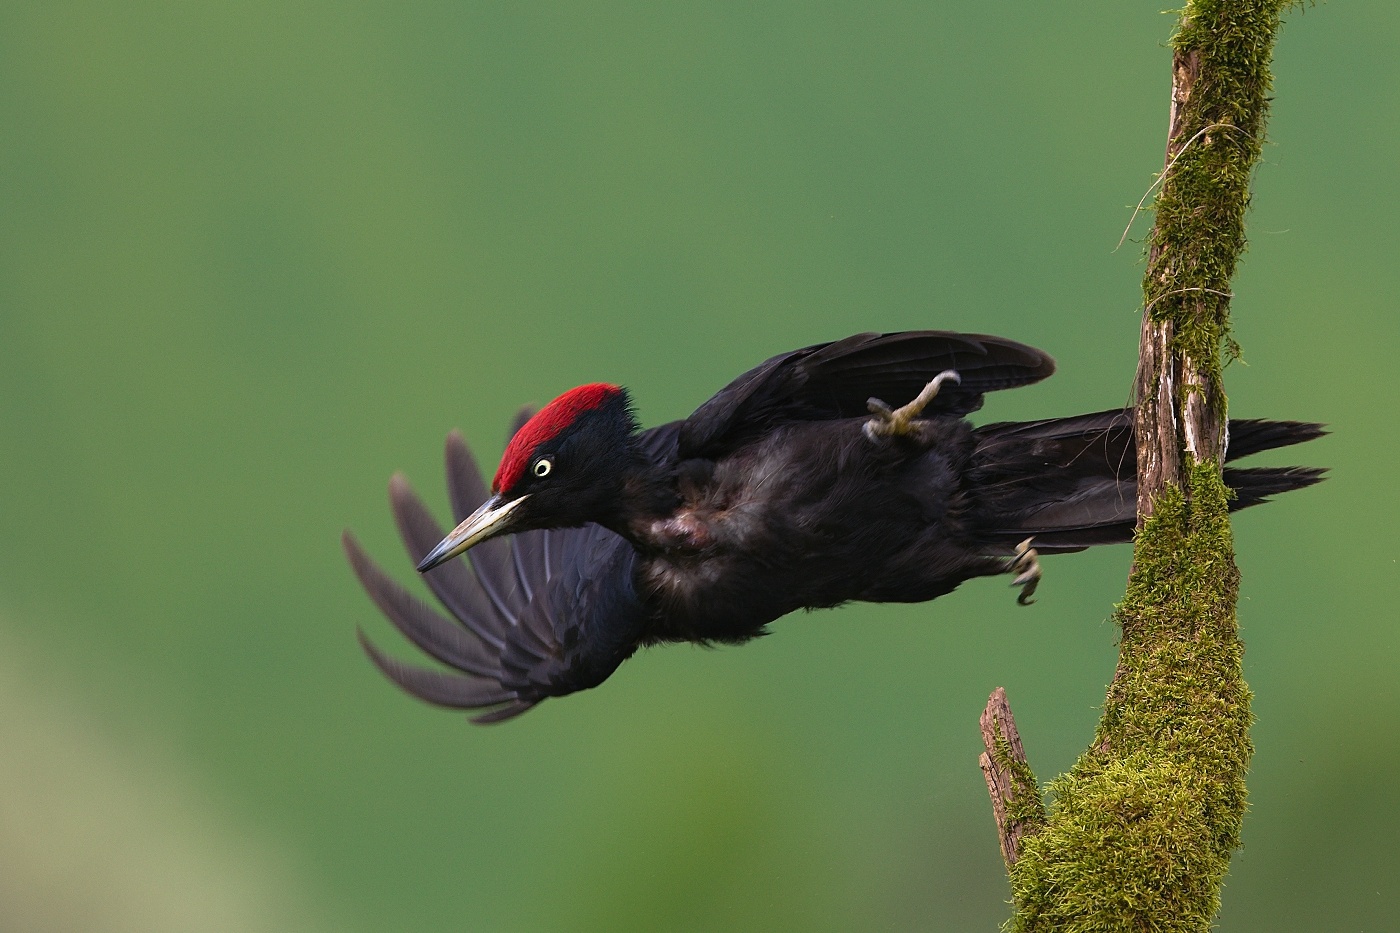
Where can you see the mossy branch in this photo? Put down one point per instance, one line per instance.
(1220, 100)
(1139, 833)
(1016, 802)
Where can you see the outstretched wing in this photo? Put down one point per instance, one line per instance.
(535, 615)
(836, 380)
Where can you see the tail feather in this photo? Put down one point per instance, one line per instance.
(1071, 483)
(1253, 485)
(1250, 436)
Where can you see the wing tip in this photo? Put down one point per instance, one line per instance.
(504, 713)
(400, 488)
(456, 450)
(360, 561)
(451, 691)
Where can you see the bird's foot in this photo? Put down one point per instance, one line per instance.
(899, 422)
(1026, 565)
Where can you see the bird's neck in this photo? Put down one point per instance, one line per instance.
(647, 495)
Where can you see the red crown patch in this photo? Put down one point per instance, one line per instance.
(548, 422)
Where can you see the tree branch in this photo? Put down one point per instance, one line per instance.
(1016, 803)
(1141, 830)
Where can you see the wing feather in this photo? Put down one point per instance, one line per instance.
(556, 615)
(444, 640)
(464, 594)
(491, 559)
(456, 691)
(509, 711)
(835, 380)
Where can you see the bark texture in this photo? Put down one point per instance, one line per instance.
(1016, 803)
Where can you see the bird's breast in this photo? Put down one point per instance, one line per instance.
(684, 530)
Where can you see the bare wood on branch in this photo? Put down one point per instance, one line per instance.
(1016, 801)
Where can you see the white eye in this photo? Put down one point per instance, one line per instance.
(543, 466)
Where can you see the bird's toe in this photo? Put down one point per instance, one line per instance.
(1026, 565)
(899, 422)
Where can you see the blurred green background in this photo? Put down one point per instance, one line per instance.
(254, 257)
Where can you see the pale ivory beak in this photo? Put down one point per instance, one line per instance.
(485, 522)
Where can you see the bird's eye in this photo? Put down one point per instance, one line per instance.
(543, 466)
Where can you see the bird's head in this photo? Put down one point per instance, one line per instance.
(565, 466)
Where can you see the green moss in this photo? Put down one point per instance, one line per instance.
(1198, 236)
(1140, 831)
(1026, 806)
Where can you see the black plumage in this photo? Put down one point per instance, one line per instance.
(543, 613)
(775, 495)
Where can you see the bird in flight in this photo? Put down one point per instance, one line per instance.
(799, 485)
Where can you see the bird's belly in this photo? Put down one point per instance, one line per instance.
(716, 600)
(728, 594)
(795, 522)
